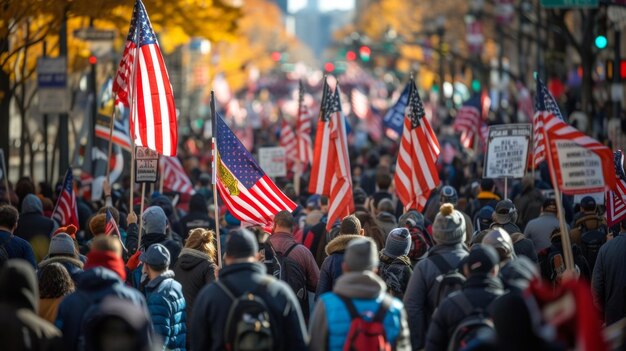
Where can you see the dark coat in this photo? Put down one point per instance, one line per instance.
(20, 326)
(166, 304)
(609, 279)
(195, 220)
(32, 222)
(170, 240)
(17, 247)
(213, 304)
(331, 267)
(400, 268)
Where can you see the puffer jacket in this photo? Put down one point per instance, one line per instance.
(331, 267)
(420, 297)
(166, 305)
(74, 266)
(193, 270)
(331, 320)
(480, 290)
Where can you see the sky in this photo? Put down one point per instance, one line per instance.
(325, 5)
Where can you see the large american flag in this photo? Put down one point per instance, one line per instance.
(174, 177)
(303, 130)
(544, 105)
(142, 83)
(468, 121)
(65, 211)
(287, 140)
(248, 193)
(416, 171)
(330, 171)
(616, 200)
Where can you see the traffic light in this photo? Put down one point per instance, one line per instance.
(93, 60)
(609, 70)
(276, 56)
(350, 56)
(329, 67)
(601, 42)
(365, 53)
(475, 85)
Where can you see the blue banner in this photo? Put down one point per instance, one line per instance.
(394, 118)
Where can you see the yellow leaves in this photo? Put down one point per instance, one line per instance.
(400, 15)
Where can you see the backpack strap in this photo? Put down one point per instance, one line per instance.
(264, 283)
(385, 305)
(289, 249)
(442, 265)
(350, 306)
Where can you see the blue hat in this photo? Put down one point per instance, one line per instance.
(157, 255)
(154, 220)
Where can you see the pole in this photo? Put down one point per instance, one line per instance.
(111, 126)
(132, 176)
(161, 179)
(5, 175)
(64, 161)
(214, 179)
(506, 188)
(617, 106)
(500, 72)
(133, 106)
(45, 133)
(539, 62)
(143, 193)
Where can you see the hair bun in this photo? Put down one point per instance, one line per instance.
(446, 209)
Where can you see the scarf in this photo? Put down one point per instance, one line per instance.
(108, 260)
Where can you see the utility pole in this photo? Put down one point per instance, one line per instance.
(45, 134)
(63, 133)
(617, 106)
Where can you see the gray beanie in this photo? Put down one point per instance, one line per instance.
(361, 255)
(449, 226)
(154, 220)
(398, 243)
(62, 244)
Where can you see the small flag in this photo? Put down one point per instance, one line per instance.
(65, 210)
(288, 141)
(544, 105)
(468, 121)
(303, 130)
(174, 177)
(111, 226)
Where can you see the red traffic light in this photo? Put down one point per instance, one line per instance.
(276, 56)
(329, 67)
(365, 51)
(93, 60)
(350, 56)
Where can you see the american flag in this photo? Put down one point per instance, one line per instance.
(330, 171)
(544, 105)
(65, 210)
(416, 171)
(360, 103)
(288, 141)
(248, 193)
(174, 177)
(468, 121)
(111, 226)
(143, 77)
(303, 130)
(616, 200)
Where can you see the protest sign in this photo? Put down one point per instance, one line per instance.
(273, 161)
(507, 151)
(580, 169)
(146, 165)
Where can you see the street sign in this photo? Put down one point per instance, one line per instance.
(146, 165)
(507, 151)
(559, 4)
(52, 85)
(273, 161)
(94, 34)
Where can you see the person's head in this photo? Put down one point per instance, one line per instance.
(106, 252)
(350, 225)
(360, 196)
(505, 212)
(106, 243)
(482, 260)
(500, 240)
(62, 245)
(484, 218)
(156, 260)
(383, 180)
(32, 204)
(54, 281)
(398, 243)
(324, 203)
(385, 205)
(313, 203)
(487, 184)
(588, 204)
(202, 240)
(8, 218)
(97, 224)
(549, 206)
(284, 222)
(198, 204)
(241, 247)
(361, 255)
(448, 195)
(114, 213)
(24, 186)
(154, 220)
(412, 220)
(449, 226)
(18, 285)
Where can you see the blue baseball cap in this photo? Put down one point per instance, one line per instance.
(157, 255)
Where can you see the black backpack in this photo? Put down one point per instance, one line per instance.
(285, 268)
(475, 323)
(393, 274)
(248, 325)
(590, 243)
(448, 281)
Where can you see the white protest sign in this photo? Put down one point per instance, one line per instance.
(273, 161)
(146, 165)
(507, 151)
(580, 170)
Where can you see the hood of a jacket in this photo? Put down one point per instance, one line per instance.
(61, 259)
(32, 204)
(165, 203)
(153, 238)
(340, 243)
(590, 221)
(190, 258)
(386, 217)
(359, 285)
(18, 285)
(97, 278)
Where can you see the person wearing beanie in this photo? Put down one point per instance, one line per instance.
(540, 229)
(104, 276)
(359, 291)
(244, 274)
(420, 298)
(480, 289)
(449, 195)
(529, 202)
(63, 250)
(505, 217)
(34, 227)
(395, 266)
(385, 216)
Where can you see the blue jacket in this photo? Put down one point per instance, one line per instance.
(17, 247)
(331, 320)
(93, 286)
(166, 304)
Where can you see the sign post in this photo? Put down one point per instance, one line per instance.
(146, 171)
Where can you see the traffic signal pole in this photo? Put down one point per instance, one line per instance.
(617, 105)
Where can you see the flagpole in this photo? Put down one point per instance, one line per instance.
(143, 193)
(214, 179)
(133, 112)
(111, 126)
(5, 175)
(161, 178)
(506, 188)
(298, 173)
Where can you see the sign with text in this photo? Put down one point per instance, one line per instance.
(273, 161)
(146, 165)
(507, 151)
(52, 85)
(579, 170)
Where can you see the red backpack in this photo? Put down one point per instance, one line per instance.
(367, 335)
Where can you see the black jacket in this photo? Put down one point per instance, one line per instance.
(171, 241)
(212, 306)
(609, 280)
(480, 290)
(195, 220)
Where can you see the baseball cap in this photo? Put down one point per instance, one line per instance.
(157, 255)
(481, 259)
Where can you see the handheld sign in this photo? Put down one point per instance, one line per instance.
(146, 165)
(273, 161)
(579, 169)
(507, 151)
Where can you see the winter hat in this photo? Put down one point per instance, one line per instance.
(449, 226)
(505, 212)
(412, 219)
(484, 218)
(69, 230)
(448, 195)
(481, 259)
(361, 255)
(398, 243)
(588, 203)
(157, 255)
(62, 244)
(241, 243)
(154, 220)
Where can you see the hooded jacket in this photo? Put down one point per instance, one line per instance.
(331, 320)
(387, 222)
(166, 304)
(193, 270)
(198, 216)
(20, 326)
(331, 267)
(32, 222)
(74, 266)
(213, 304)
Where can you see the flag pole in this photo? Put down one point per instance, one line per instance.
(111, 126)
(133, 107)
(298, 173)
(5, 175)
(143, 193)
(214, 179)
(161, 178)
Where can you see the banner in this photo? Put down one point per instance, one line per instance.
(507, 151)
(273, 161)
(580, 168)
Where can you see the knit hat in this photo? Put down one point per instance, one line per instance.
(241, 243)
(69, 230)
(448, 195)
(484, 218)
(361, 255)
(412, 219)
(505, 212)
(154, 220)
(398, 243)
(157, 255)
(62, 244)
(449, 226)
